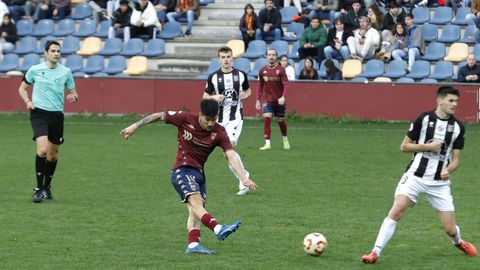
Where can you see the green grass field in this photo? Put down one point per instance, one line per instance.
(115, 208)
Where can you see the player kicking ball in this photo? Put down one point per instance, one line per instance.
(198, 135)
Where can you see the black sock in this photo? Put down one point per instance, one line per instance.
(49, 171)
(40, 170)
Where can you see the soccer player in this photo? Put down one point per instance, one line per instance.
(229, 86)
(436, 139)
(49, 79)
(273, 87)
(198, 135)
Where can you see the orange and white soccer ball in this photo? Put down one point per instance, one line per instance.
(315, 243)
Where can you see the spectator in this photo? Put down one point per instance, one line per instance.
(269, 22)
(408, 5)
(471, 72)
(376, 17)
(337, 41)
(16, 7)
(474, 19)
(8, 34)
(296, 3)
(333, 73)
(325, 10)
(364, 41)
(354, 15)
(58, 9)
(415, 43)
(303, 18)
(163, 7)
(189, 9)
(3, 9)
(454, 4)
(313, 41)
(344, 6)
(309, 72)
(121, 22)
(289, 70)
(394, 15)
(248, 24)
(395, 39)
(102, 9)
(144, 20)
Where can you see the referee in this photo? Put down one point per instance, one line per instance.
(49, 79)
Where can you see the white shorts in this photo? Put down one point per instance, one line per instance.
(437, 192)
(234, 129)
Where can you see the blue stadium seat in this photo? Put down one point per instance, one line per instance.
(214, 66)
(259, 63)
(294, 51)
(256, 49)
(95, 63)
(134, 46)
(443, 15)
(281, 46)
(460, 18)
(116, 64)
(86, 28)
(81, 11)
(322, 71)
(396, 69)
(28, 61)
(74, 62)
(469, 35)
(102, 31)
(288, 13)
(43, 28)
(359, 79)
(301, 65)
(434, 51)
(243, 64)
(429, 80)
(80, 74)
(450, 34)
(26, 45)
(9, 62)
(420, 70)
(405, 80)
(476, 52)
(459, 66)
(296, 28)
(155, 47)
(171, 30)
(443, 70)
(65, 27)
(112, 46)
(99, 75)
(24, 27)
(430, 32)
(43, 41)
(421, 15)
(374, 68)
(70, 45)
(206, 2)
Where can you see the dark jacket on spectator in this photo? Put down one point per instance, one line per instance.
(11, 31)
(243, 25)
(122, 18)
(332, 33)
(272, 16)
(466, 70)
(352, 18)
(391, 20)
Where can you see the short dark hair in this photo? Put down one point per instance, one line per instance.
(224, 49)
(50, 43)
(124, 2)
(410, 15)
(209, 108)
(443, 91)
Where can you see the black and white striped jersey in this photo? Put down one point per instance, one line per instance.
(426, 128)
(228, 84)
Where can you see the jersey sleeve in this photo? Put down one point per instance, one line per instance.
(245, 84)
(29, 77)
(223, 141)
(209, 88)
(174, 118)
(415, 128)
(70, 83)
(459, 141)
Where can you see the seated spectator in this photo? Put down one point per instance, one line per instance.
(409, 5)
(454, 4)
(337, 41)
(121, 22)
(325, 10)
(189, 9)
(16, 7)
(365, 40)
(344, 6)
(303, 18)
(269, 22)
(58, 9)
(289, 70)
(144, 20)
(354, 15)
(395, 39)
(3, 9)
(394, 15)
(313, 41)
(103, 9)
(474, 18)
(376, 17)
(163, 7)
(308, 72)
(333, 73)
(8, 34)
(415, 46)
(248, 24)
(296, 3)
(471, 72)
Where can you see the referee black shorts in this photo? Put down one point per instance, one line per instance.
(47, 123)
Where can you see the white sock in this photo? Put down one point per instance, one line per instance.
(193, 244)
(217, 228)
(285, 138)
(456, 239)
(267, 142)
(386, 232)
(240, 185)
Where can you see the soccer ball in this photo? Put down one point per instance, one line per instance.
(314, 243)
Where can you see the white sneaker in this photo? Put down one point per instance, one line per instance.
(243, 191)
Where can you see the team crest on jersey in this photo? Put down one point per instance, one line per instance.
(277, 71)
(213, 136)
(450, 128)
(265, 78)
(235, 78)
(431, 124)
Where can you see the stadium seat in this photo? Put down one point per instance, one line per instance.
(442, 71)
(116, 64)
(359, 79)
(476, 52)
(26, 45)
(237, 46)
(259, 63)
(86, 28)
(81, 11)
(28, 61)
(171, 30)
(74, 62)
(121, 75)
(421, 15)
(90, 46)
(469, 35)
(213, 66)
(442, 15)
(206, 2)
(9, 62)
(43, 28)
(351, 68)
(65, 27)
(70, 45)
(294, 51)
(430, 32)
(460, 18)
(405, 80)
(382, 79)
(420, 70)
(396, 69)
(450, 33)
(301, 65)
(458, 52)
(256, 49)
(102, 31)
(434, 51)
(24, 27)
(80, 74)
(99, 75)
(112, 46)
(296, 30)
(43, 41)
(243, 64)
(137, 65)
(281, 46)
(134, 46)
(429, 80)
(95, 63)
(288, 13)
(373, 68)
(155, 47)
(322, 71)
(455, 73)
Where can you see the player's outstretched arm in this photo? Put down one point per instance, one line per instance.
(128, 131)
(231, 156)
